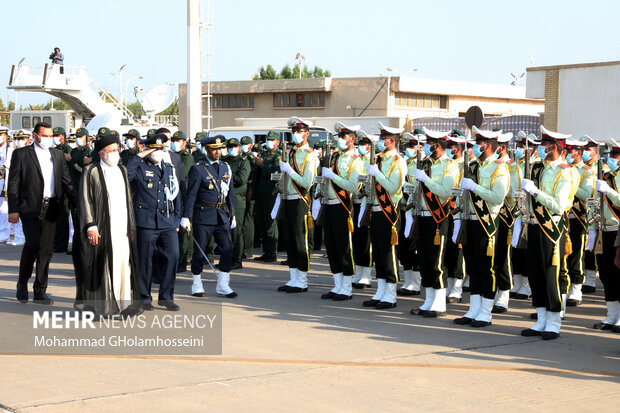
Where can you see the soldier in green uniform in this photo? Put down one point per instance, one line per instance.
(268, 162)
(61, 241)
(132, 137)
(240, 168)
(197, 154)
(80, 156)
(248, 219)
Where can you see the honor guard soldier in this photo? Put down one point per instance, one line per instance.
(389, 175)
(407, 248)
(248, 219)
(608, 272)
(300, 169)
(62, 222)
(268, 163)
(240, 167)
(362, 253)
(438, 176)
(5, 153)
(132, 137)
(590, 157)
(337, 210)
(210, 206)
(484, 190)
(157, 206)
(454, 261)
(578, 219)
(550, 190)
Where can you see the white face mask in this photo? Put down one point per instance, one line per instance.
(298, 137)
(342, 144)
(233, 151)
(20, 143)
(245, 148)
(157, 156)
(271, 144)
(112, 158)
(46, 143)
(56, 141)
(79, 142)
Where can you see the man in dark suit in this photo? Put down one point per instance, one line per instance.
(38, 180)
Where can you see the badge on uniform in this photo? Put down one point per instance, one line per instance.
(149, 185)
(210, 186)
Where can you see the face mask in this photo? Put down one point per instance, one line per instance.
(381, 145)
(298, 137)
(233, 152)
(612, 163)
(203, 151)
(520, 153)
(46, 143)
(167, 146)
(245, 148)
(427, 149)
(131, 143)
(112, 158)
(157, 156)
(587, 157)
(57, 141)
(541, 150)
(569, 159)
(342, 144)
(79, 141)
(477, 150)
(20, 143)
(270, 144)
(362, 150)
(198, 146)
(176, 146)
(72, 145)
(410, 153)
(449, 153)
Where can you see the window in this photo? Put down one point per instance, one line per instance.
(418, 100)
(232, 101)
(36, 119)
(307, 100)
(47, 119)
(26, 122)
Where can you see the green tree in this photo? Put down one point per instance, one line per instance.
(269, 73)
(58, 105)
(286, 72)
(265, 73)
(136, 108)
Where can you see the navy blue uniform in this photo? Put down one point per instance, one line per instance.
(209, 203)
(157, 221)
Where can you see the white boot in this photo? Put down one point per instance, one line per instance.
(574, 294)
(502, 297)
(475, 301)
(301, 283)
(389, 297)
(358, 274)
(483, 318)
(590, 279)
(292, 277)
(563, 312)
(428, 301)
(380, 289)
(197, 287)
(416, 280)
(516, 283)
(613, 313)
(438, 307)
(524, 292)
(457, 289)
(222, 287)
(366, 278)
(552, 325)
(346, 288)
(466, 281)
(337, 283)
(539, 326)
(407, 280)
(450, 285)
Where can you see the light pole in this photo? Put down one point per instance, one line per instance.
(127, 87)
(300, 58)
(120, 82)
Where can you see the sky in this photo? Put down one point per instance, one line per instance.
(478, 41)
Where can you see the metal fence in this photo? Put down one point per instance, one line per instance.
(528, 124)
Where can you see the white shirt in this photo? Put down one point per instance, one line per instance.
(47, 170)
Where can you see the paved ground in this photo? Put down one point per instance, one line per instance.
(294, 352)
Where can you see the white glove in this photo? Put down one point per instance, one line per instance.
(233, 223)
(276, 206)
(4, 208)
(408, 223)
(373, 170)
(286, 168)
(457, 228)
(529, 186)
(469, 184)
(359, 218)
(516, 233)
(328, 173)
(420, 175)
(316, 207)
(603, 187)
(185, 224)
(591, 239)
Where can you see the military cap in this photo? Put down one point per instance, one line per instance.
(200, 135)
(132, 133)
(21, 134)
(410, 138)
(363, 137)
(232, 142)
(547, 135)
(105, 141)
(156, 141)
(70, 138)
(214, 142)
(271, 135)
(432, 134)
(81, 132)
(103, 132)
(178, 136)
(298, 123)
(246, 140)
(343, 129)
(115, 133)
(3, 129)
(59, 131)
(455, 132)
(318, 145)
(151, 132)
(418, 131)
(614, 147)
(588, 141)
(575, 143)
(485, 134)
(387, 131)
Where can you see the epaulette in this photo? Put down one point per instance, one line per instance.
(587, 167)
(355, 156)
(396, 157)
(499, 161)
(566, 165)
(309, 149)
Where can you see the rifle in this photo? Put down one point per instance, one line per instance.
(597, 207)
(369, 188)
(523, 197)
(282, 179)
(463, 199)
(324, 183)
(415, 199)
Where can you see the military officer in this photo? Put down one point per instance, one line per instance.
(157, 205)
(240, 167)
(248, 219)
(486, 190)
(590, 157)
(301, 169)
(5, 153)
(550, 196)
(132, 137)
(180, 147)
(268, 163)
(345, 167)
(210, 206)
(61, 241)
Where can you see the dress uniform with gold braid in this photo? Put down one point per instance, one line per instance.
(438, 176)
(590, 157)
(486, 190)
(345, 167)
(362, 248)
(389, 172)
(550, 196)
(301, 168)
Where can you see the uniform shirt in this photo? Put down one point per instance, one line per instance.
(392, 176)
(271, 164)
(587, 184)
(307, 163)
(613, 197)
(202, 188)
(493, 183)
(348, 168)
(47, 170)
(444, 173)
(556, 187)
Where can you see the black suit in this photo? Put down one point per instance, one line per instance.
(38, 215)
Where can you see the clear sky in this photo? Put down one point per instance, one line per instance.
(472, 40)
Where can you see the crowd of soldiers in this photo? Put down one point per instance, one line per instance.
(498, 215)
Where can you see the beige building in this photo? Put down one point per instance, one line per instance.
(408, 98)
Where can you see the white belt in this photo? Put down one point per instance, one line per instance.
(333, 201)
(609, 228)
(291, 197)
(357, 201)
(571, 216)
(376, 208)
(473, 217)
(426, 214)
(556, 219)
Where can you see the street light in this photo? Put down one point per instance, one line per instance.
(300, 58)
(120, 82)
(127, 87)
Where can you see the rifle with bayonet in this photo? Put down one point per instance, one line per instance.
(597, 206)
(522, 196)
(324, 183)
(369, 189)
(415, 198)
(463, 199)
(282, 179)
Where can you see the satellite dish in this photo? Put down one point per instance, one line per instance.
(157, 99)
